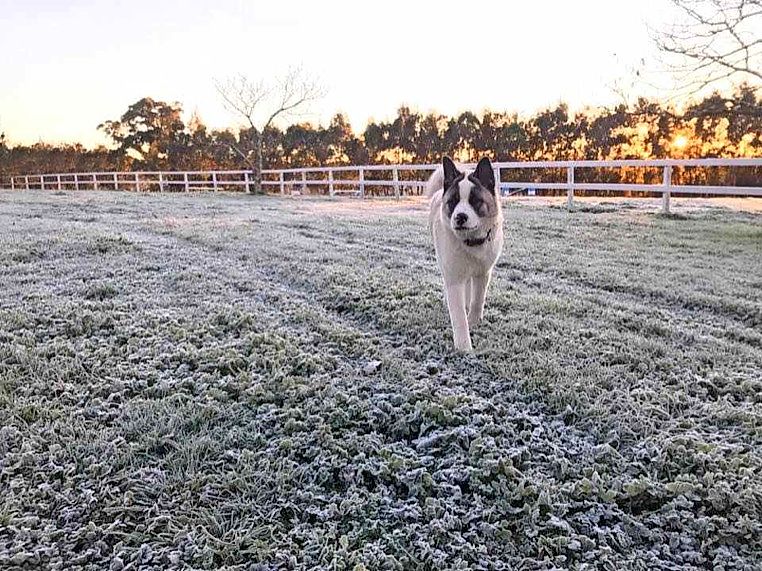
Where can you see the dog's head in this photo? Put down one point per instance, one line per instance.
(469, 201)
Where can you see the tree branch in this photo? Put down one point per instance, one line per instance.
(714, 35)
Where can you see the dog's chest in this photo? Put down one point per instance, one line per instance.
(455, 256)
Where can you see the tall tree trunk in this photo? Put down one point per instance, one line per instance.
(258, 178)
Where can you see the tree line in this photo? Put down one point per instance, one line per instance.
(152, 135)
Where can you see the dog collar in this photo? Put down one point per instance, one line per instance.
(478, 241)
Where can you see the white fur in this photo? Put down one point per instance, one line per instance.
(466, 269)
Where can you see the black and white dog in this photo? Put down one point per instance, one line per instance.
(466, 222)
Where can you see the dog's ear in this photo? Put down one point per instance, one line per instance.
(484, 174)
(450, 172)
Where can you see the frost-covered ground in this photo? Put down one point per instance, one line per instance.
(209, 382)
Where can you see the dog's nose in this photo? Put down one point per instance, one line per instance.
(461, 219)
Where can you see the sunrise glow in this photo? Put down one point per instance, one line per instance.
(680, 142)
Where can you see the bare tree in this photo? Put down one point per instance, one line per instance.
(260, 103)
(713, 40)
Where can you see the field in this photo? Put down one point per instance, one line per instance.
(233, 382)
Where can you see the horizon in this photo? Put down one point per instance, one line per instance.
(588, 110)
(566, 62)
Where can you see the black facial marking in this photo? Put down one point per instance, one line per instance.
(482, 201)
(452, 178)
(451, 198)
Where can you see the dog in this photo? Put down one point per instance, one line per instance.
(466, 224)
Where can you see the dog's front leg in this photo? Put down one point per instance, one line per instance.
(479, 294)
(456, 304)
(468, 299)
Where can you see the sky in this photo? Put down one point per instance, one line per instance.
(69, 65)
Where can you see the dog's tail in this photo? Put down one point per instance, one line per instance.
(435, 182)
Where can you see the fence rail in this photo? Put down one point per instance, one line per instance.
(402, 179)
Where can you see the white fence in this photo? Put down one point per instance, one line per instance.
(397, 179)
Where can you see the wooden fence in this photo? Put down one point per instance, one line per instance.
(399, 180)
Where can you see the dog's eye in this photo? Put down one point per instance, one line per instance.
(452, 201)
(479, 205)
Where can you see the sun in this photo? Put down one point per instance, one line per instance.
(680, 142)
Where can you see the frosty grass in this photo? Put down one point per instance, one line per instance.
(231, 382)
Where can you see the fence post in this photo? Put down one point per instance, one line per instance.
(330, 182)
(95, 182)
(214, 180)
(137, 182)
(570, 187)
(667, 183)
(76, 181)
(282, 183)
(362, 183)
(246, 182)
(396, 179)
(13, 183)
(185, 180)
(42, 182)
(497, 182)
(116, 182)
(161, 181)
(304, 182)
(58, 179)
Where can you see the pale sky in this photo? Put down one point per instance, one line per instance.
(68, 65)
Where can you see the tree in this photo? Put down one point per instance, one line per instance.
(402, 133)
(151, 131)
(4, 154)
(714, 40)
(428, 141)
(375, 137)
(549, 134)
(604, 132)
(340, 141)
(260, 103)
(221, 147)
